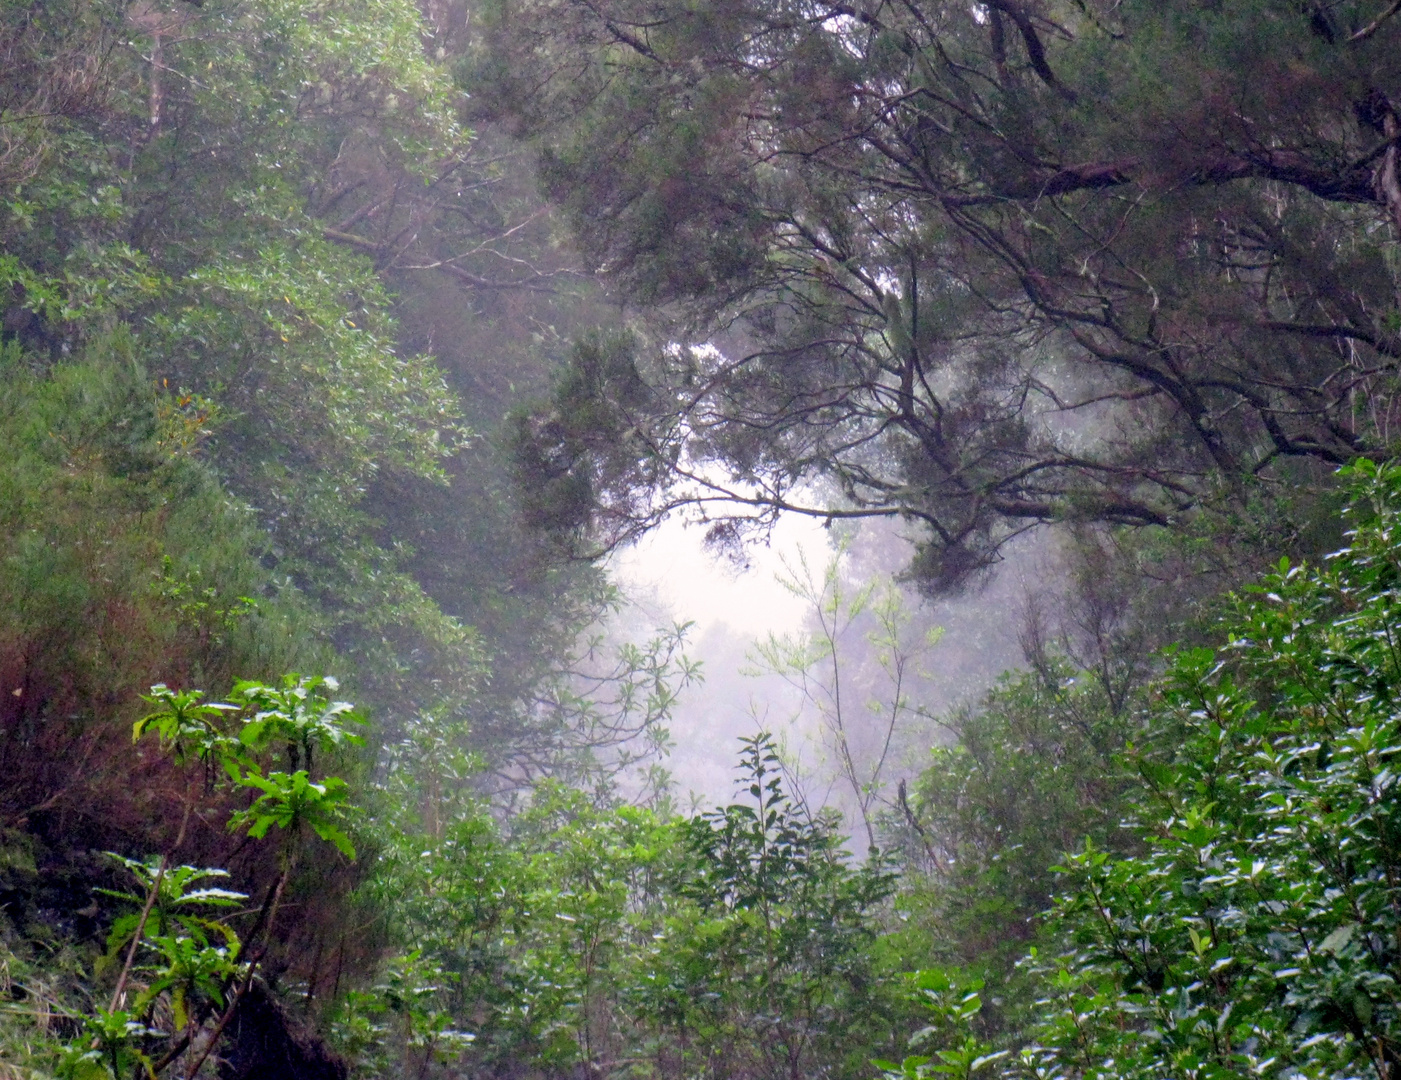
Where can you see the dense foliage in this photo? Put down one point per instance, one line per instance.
(617, 940)
(228, 453)
(1256, 931)
(302, 376)
(175, 205)
(1035, 770)
(978, 266)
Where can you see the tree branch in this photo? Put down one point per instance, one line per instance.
(1376, 24)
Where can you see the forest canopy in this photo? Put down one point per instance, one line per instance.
(978, 266)
(342, 340)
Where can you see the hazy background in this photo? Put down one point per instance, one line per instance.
(669, 576)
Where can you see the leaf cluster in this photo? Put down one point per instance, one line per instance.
(1257, 930)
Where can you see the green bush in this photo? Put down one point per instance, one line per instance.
(1259, 933)
(124, 563)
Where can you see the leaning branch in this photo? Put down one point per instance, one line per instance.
(1376, 24)
(1035, 51)
(1353, 183)
(370, 247)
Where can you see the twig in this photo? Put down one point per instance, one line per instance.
(146, 913)
(136, 937)
(913, 821)
(1376, 24)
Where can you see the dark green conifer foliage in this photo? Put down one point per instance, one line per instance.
(979, 266)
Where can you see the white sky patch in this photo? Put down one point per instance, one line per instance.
(890, 283)
(848, 31)
(670, 576)
(671, 565)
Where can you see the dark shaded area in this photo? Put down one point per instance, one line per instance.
(265, 1042)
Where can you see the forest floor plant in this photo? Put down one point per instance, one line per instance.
(184, 970)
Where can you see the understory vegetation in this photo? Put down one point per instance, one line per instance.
(341, 341)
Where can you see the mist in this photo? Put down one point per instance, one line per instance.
(670, 540)
(734, 607)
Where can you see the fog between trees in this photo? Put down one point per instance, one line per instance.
(357, 357)
(741, 604)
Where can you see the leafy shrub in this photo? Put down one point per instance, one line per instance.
(123, 563)
(1258, 932)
